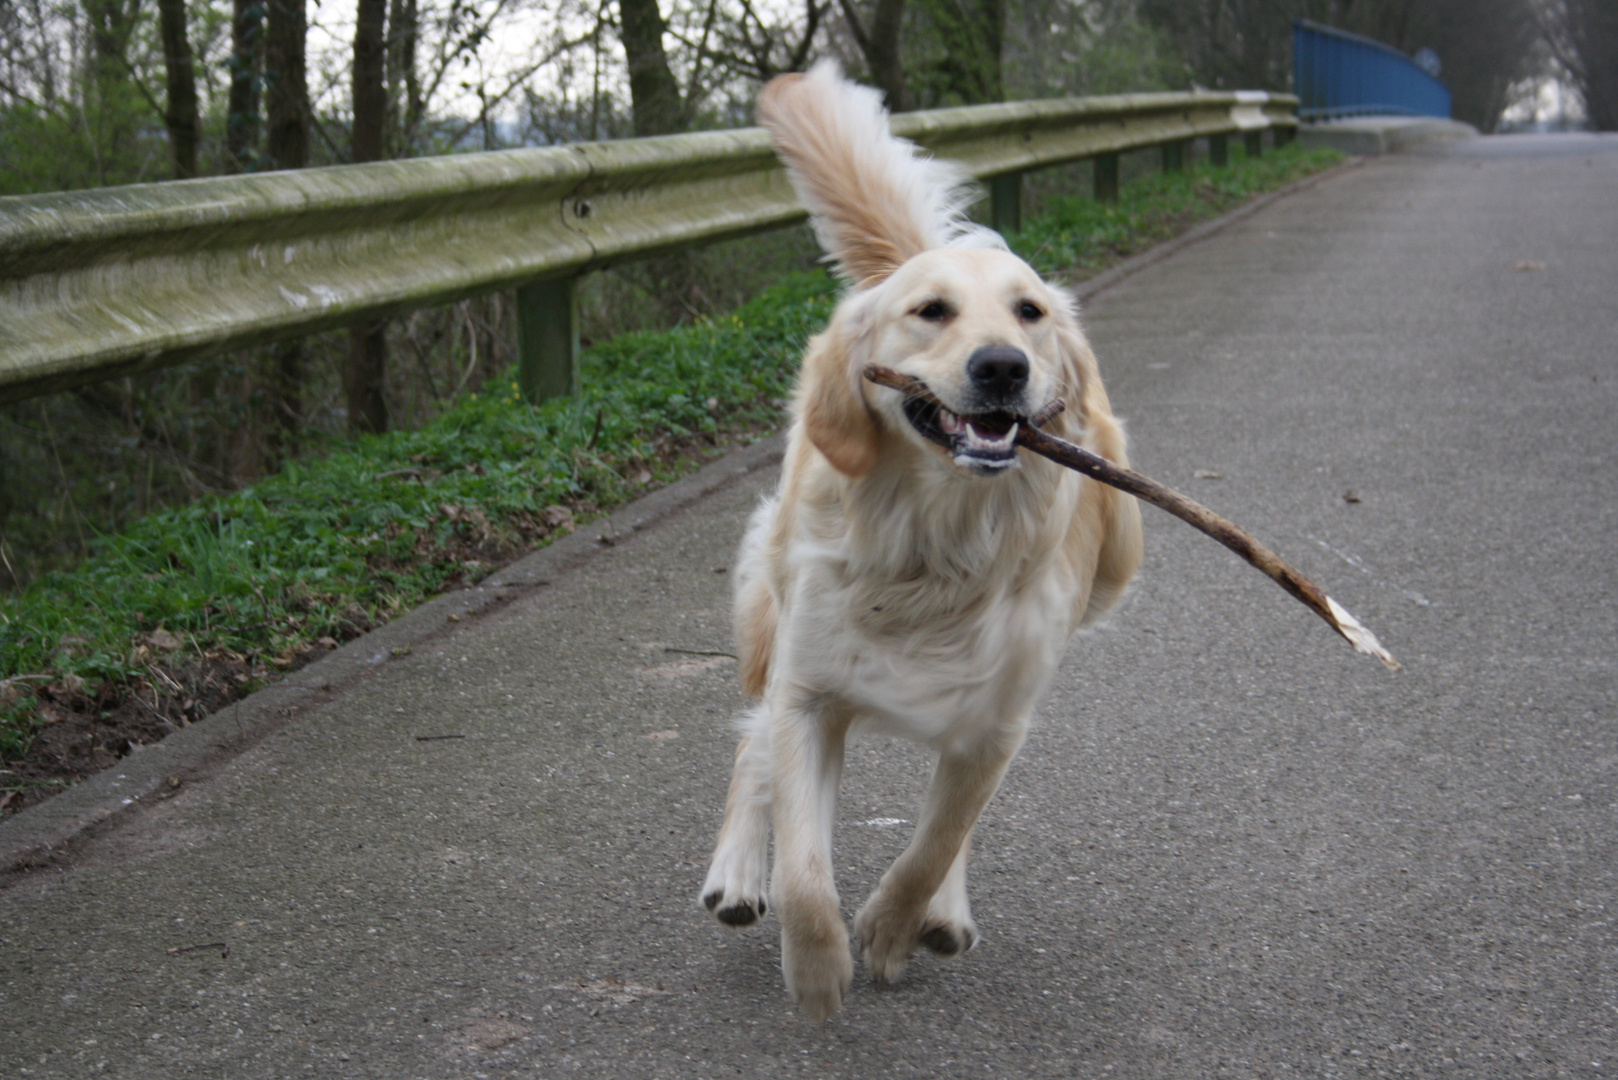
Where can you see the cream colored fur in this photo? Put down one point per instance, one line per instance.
(888, 587)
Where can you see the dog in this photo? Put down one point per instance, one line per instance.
(913, 575)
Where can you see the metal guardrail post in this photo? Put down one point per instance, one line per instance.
(1005, 202)
(1255, 143)
(548, 339)
(1173, 156)
(1219, 150)
(1106, 184)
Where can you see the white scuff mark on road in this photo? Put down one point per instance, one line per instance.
(1359, 564)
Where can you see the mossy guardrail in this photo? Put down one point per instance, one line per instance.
(107, 282)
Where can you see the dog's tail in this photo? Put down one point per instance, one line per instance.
(874, 201)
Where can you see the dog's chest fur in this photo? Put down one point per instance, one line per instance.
(929, 601)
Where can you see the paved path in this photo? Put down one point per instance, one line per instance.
(1231, 847)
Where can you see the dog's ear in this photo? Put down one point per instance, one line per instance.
(1081, 387)
(831, 401)
(1109, 532)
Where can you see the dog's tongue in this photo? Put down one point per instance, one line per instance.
(990, 427)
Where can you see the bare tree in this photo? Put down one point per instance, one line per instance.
(286, 90)
(1583, 34)
(108, 121)
(246, 67)
(181, 114)
(365, 372)
(406, 106)
(748, 46)
(654, 92)
(878, 38)
(286, 86)
(967, 37)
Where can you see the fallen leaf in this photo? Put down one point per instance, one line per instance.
(162, 641)
(683, 668)
(493, 1034)
(1208, 474)
(1526, 266)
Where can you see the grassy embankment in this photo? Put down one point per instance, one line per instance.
(191, 608)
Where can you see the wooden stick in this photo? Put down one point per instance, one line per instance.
(1239, 540)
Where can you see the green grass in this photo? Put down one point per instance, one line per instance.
(329, 547)
(1076, 237)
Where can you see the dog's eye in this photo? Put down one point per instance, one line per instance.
(933, 311)
(1028, 311)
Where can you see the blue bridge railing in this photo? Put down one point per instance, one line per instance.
(1337, 74)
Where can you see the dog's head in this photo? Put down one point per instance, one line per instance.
(992, 340)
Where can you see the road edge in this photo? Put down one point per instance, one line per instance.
(43, 835)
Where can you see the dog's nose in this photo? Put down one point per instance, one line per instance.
(998, 370)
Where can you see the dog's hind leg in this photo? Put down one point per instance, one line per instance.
(923, 894)
(808, 764)
(738, 876)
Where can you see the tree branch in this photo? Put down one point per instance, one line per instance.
(861, 38)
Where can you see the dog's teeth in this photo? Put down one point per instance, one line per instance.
(951, 423)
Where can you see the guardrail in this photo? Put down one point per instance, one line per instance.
(107, 282)
(1338, 74)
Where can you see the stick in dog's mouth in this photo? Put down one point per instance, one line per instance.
(1029, 437)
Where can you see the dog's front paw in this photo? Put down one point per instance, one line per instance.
(734, 890)
(818, 973)
(734, 911)
(948, 938)
(888, 934)
(949, 929)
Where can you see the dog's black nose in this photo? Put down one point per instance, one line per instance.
(998, 371)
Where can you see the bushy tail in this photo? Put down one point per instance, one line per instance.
(874, 200)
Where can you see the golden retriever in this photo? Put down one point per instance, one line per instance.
(914, 575)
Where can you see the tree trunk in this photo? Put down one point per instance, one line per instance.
(404, 83)
(365, 376)
(1594, 31)
(286, 146)
(110, 121)
(246, 67)
(879, 44)
(286, 89)
(972, 33)
(653, 92)
(181, 116)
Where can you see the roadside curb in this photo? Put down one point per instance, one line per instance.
(1375, 136)
(41, 835)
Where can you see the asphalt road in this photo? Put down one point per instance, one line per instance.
(1231, 847)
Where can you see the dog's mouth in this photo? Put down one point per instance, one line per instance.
(985, 442)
